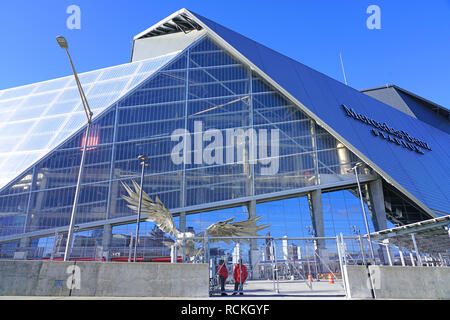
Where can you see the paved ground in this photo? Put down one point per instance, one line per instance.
(288, 289)
(253, 290)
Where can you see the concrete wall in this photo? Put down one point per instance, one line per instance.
(57, 278)
(356, 282)
(398, 282)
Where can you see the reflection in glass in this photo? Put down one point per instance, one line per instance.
(207, 94)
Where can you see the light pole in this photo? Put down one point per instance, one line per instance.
(355, 169)
(144, 164)
(63, 44)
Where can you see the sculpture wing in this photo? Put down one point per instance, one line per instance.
(226, 228)
(152, 210)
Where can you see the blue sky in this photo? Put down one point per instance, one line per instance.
(411, 50)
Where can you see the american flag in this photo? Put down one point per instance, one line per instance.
(94, 136)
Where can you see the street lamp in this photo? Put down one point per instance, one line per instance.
(355, 168)
(63, 44)
(144, 164)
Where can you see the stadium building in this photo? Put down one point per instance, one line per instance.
(231, 128)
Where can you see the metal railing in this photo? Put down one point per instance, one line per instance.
(291, 254)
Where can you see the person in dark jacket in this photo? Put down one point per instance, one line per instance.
(223, 275)
(239, 275)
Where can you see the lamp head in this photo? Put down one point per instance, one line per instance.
(142, 158)
(62, 42)
(358, 164)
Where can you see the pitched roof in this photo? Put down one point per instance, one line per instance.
(424, 178)
(36, 118)
(445, 112)
(413, 105)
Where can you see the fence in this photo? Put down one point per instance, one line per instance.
(294, 264)
(293, 258)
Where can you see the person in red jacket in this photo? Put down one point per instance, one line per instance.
(239, 275)
(223, 275)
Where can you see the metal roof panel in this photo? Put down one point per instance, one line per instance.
(425, 178)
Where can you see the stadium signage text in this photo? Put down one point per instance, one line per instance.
(384, 131)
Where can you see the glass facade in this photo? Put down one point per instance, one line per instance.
(197, 119)
(342, 213)
(400, 210)
(36, 118)
(288, 217)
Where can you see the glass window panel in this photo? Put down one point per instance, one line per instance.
(276, 114)
(219, 113)
(259, 85)
(61, 169)
(207, 59)
(98, 103)
(23, 185)
(115, 72)
(153, 96)
(158, 151)
(89, 77)
(179, 63)
(15, 129)
(166, 79)
(62, 107)
(107, 87)
(326, 141)
(147, 130)
(222, 89)
(293, 172)
(205, 45)
(71, 94)
(199, 222)
(152, 113)
(7, 145)
(149, 66)
(50, 209)
(28, 113)
(151, 241)
(50, 124)
(216, 183)
(8, 106)
(137, 79)
(101, 131)
(166, 186)
(55, 84)
(40, 99)
(288, 217)
(18, 92)
(342, 210)
(12, 214)
(34, 142)
(92, 203)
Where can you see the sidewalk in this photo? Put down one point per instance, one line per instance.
(287, 289)
(253, 290)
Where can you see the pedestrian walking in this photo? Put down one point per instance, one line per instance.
(223, 275)
(240, 275)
